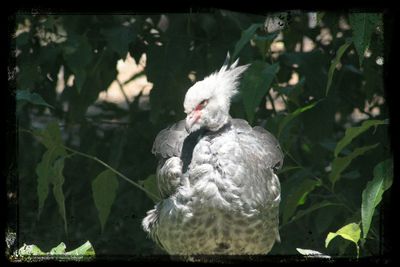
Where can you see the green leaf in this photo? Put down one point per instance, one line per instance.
(78, 53)
(293, 115)
(28, 250)
(297, 197)
(353, 132)
(58, 181)
(57, 252)
(339, 164)
(313, 207)
(255, 84)
(33, 98)
(247, 35)
(150, 184)
(372, 194)
(44, 172)
(51, 138)
(60, 249)
(349, 232)
(84, 250)
(119, 38)
(320, 15)
(104, 188)
(334, 63)
(363, 25)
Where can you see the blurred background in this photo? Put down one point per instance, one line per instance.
(110, 83)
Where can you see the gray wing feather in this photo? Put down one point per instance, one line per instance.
(169, 141)
(267, 141)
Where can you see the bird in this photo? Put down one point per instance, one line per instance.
(216, 176)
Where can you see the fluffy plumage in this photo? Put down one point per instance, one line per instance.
(216, 177)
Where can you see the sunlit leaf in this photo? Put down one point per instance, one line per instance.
(104, 189)
(339, 164)
(349, 232)
(334, 63)
(363, 25)
(372, 194)
(84, 250)
(255, 84)
(28, 250)
(353, 132)
(60, 249)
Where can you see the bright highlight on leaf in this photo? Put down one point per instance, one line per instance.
(349, 232)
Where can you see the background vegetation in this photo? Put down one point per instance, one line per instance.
(316, 82)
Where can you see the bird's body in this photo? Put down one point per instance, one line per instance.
(220, 193)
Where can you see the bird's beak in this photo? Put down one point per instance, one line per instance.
(191, 119)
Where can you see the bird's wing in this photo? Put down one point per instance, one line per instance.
(261, 139)
(261, 157)
(169, 141)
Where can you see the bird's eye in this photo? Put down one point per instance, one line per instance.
(204, 102)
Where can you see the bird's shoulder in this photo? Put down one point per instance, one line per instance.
(168, 142)
(258, 139)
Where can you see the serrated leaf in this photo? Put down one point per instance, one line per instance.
(353, 132)
(58, 181)
(34, 98)
(334, 63)
(104, 189)
(351, 232)
(293, 115)
(363, 25)
(372, 194)
(60, 249)
(339, 164)
(255, 84)
(311, 253)
(247, 35)
(297, 197)
(150, 184)
(119, 38)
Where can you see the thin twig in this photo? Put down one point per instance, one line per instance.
(104, 164)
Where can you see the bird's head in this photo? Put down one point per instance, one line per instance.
(208, 101)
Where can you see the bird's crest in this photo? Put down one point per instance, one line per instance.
(227, 78)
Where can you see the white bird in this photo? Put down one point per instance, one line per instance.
(216, 176)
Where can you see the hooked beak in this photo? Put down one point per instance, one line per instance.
(191, 119)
